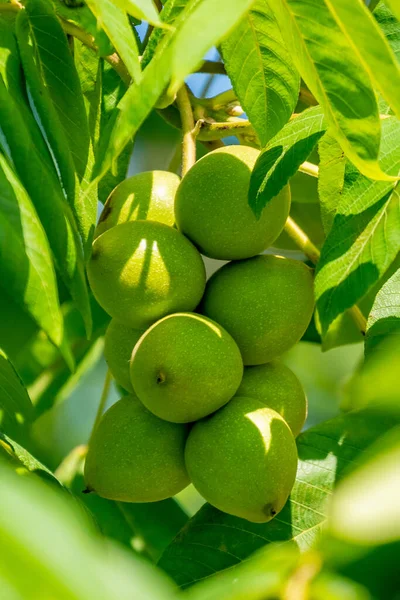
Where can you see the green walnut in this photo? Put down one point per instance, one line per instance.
(119, 342)
(185, 367)
(277, 387)
(141, 271)
(212, 210)
(134, 456)
(147, 196)
(243, 460)
(265, 303)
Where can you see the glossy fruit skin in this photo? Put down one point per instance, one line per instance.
(134, 456)
(276, 386)
(119, 342)
(265, 303)
(141, 271)
(147, 196)
(212, 210)
(243, 460)
(185, 367)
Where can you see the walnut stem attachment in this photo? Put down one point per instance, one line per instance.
(188, 139)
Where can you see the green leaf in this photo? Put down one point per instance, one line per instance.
(365, 235)
(17, 327)
(82, 16)
(51, 383)
(16, 409)
(390, 27)
(22, 461)
(89, 68)
(384, 318)
(50, 540)
(27, 269)
(198, 33)
(336, 78)
(281, 158)
(41, 183)
(141, 9)
(60, 107)
(102, 88)
(116, 24)
(169, 14)
(263, 577)
(175, 58)
(261, 70)
(373, 484)
(113, 88)
(395, 8)
(213, 540)
(371, 47)
(376, 384)
(331, 178)
(10, 69)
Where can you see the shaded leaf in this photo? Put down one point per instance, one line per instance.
(213, 540)
(337, 78)
(331, 178)
(116, 24)
(370, 490)
(263, 577)
(17, 327)
(50, 383)
(27, 269)
(45, 192)
(16, 409)
(197, 34)
(22, 461)
(384, 318)
(140, 9)
(371, 47)
(261, 70)
(59, 105)
(365, 235)
(50, 540)
(281, 158)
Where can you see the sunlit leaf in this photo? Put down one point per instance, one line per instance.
(337, 78)
(283, 155)
(261, 70)
(331, 178)
(140, 9)
(116, 24)
(365, 235)
(213, 540)
(198, 33)
(59, 106)
(394, 6)
(371, 47)
(170, 12)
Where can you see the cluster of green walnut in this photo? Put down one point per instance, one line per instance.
(207, 401)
